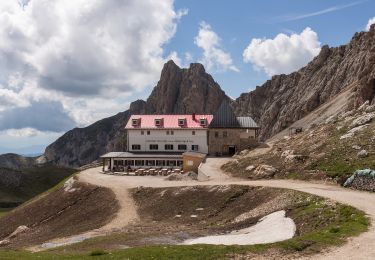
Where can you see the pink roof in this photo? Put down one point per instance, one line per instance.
(168, 121)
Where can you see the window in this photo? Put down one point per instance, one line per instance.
(193, 132)
(168, 147)
(139, 163)
(190, 163)
(194, 147)
(203, 121)
(181, 122)
(129, 162)
(148, 132)
(160, 163)
(167, 132)
(136, 147)
(180, 163)
(135, 121)
(142, 132)
(158, 122)
(154, 147)
(171, 163)
(225, 134)
(172, 132)
(216, 134)
(150, 163)
(182, 147)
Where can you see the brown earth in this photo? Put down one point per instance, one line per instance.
(60, 213)
(165, 214)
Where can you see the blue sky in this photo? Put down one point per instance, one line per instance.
(237, 22)
(66, 64)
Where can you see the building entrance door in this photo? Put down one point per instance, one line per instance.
(231, 149)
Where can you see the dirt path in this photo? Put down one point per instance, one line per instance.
(124, 216)
(360, 247)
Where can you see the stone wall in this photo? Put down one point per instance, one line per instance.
(221, 139)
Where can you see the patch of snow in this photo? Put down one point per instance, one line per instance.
(68, 185)
(193, 216)
(271, 228)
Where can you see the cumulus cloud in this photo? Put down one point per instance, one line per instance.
(79, 59)
(370, 22)
(284, 53)
(214, 57)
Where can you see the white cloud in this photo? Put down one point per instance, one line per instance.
(23, 132)
(87, 55)
(214, 57)
(320, 12)
(370, 22)
(283, 54)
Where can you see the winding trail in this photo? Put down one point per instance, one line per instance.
(361, 247)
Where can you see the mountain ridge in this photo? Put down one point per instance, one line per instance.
(275, 105)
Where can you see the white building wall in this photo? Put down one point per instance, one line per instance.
(160, 137)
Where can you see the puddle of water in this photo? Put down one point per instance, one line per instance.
(271, 228)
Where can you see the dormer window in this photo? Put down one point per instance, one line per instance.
(136, 121)
(158, 122)
(181, 122)
(203, 121)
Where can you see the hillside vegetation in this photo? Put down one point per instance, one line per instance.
(332, 150)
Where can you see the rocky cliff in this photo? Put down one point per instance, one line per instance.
(178, 91)
(286, 98)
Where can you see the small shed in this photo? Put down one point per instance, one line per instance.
(192, 160)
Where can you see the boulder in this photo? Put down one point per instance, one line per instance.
(356, 147)
(364, 119)
(364, 106)
(264, 171)
(353, 131)
(295, 158)
(250, 168)
(19, 230)
(362, 154)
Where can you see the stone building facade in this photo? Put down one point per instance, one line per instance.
(228, 134)
(228, 141)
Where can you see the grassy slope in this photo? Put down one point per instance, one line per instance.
(34, 181)
(335, 225)
(328, 156)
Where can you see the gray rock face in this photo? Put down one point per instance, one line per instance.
(178, 91)
(287, 98)
(181, 91)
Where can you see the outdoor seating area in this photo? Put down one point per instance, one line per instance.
(120, 171)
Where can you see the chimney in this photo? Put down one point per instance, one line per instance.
(193, 116)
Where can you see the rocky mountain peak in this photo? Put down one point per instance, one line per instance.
(179, 91)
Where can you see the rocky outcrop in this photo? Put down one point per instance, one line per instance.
(287, 98)
(182, 91)
(178, 91)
